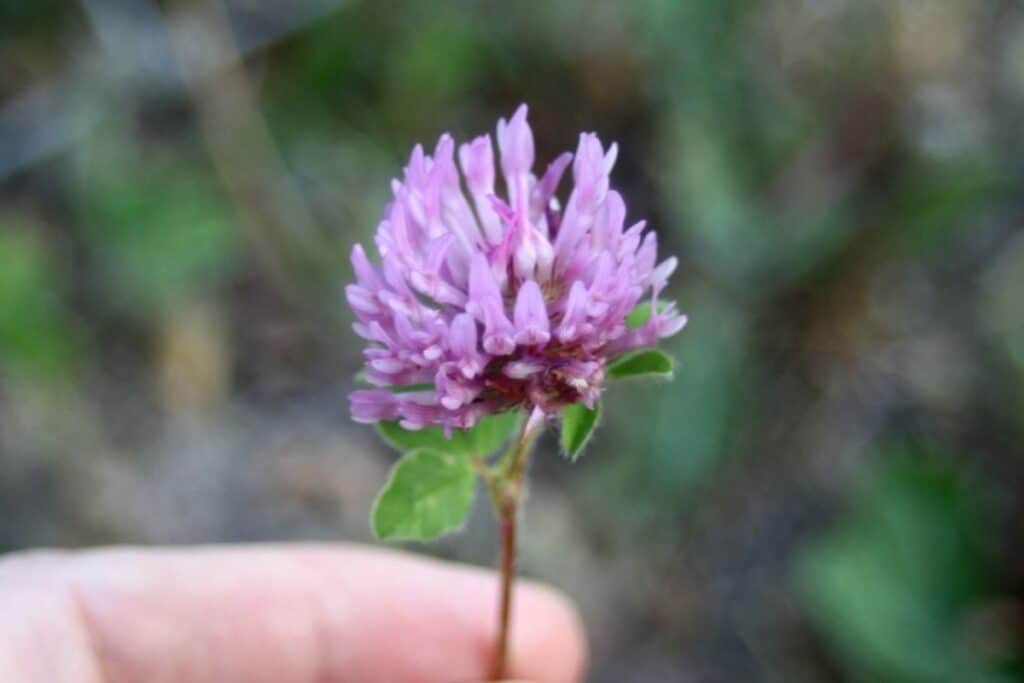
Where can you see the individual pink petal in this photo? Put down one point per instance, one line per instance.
(372, 405)
(531, 317)
(575, 316)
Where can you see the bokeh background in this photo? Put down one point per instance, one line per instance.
(832, 489)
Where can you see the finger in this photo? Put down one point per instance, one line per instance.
(265, 613)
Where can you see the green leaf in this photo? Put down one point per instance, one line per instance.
(408, 439)
(487, 435)
(427, 494)
(158, 229)
(361, 378)
(481, 439)
(639, 316)
(37, 334)
(578, 422)
(888, 585)
(644, 362)
(410, 388)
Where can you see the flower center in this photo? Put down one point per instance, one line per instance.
(550, 378)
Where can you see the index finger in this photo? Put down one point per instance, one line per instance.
(278, 613)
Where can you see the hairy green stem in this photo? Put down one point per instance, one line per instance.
(506, 484)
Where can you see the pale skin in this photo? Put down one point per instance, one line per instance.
(287, 614)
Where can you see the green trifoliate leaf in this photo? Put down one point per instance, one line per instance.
(578, 422)
(638, 363)
(427, 494)
(481, 439)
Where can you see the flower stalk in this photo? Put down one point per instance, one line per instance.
(508, 513)
(507, 487)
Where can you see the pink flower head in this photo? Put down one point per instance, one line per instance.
(485, 302)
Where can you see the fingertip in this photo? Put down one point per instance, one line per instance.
(332, 610)
(417, 593)
(548, 641)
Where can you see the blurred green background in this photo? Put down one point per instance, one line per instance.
(832, 489)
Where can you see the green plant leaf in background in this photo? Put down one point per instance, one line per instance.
(481, 439)
(36, 334)
(427, 494)
(158, 230)
(938, 204)
(578, 422)
(891, 586)
(644, 362)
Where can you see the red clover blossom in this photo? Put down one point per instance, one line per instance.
(486, 301)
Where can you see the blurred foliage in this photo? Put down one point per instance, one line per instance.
(1003, 310)
(669, 462)
(840, 179)
(36, 334)
(18, 17)
(928, 212)
(155, 226)
(895, 584)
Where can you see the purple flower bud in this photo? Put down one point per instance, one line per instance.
(497, 302)
(515, 141)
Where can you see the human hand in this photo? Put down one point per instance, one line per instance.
(270, 613)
